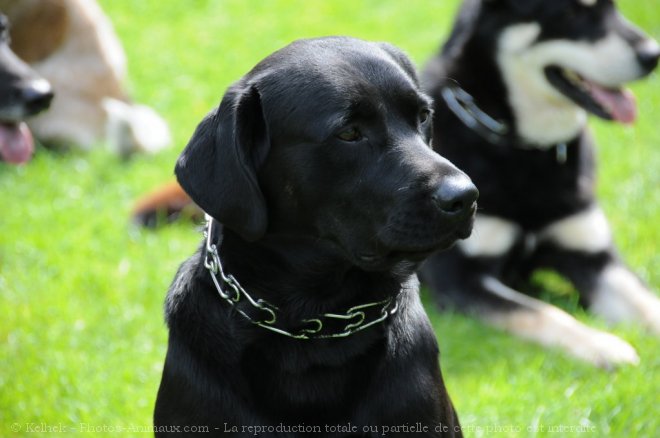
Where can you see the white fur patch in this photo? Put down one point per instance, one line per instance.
(649, 45)
(41, 86)
(587, 231)
(589, 2)
(549, 326)
(544, 116)
(622, 297)
(133, 127)
(491, 236)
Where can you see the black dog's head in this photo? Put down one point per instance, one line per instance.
(569, 56)
(22, 94)
(328, 139)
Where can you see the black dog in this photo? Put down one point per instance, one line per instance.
(535, 68)
(318, 167)
(22, 94)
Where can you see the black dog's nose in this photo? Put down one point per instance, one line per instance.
(648, 54)
(455, 195)
(37, 96)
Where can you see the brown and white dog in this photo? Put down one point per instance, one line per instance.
(72, 44)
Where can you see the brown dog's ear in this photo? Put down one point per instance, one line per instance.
(218, 167)
(50, 18)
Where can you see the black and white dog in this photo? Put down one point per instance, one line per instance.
(23, 93)
(513, 87)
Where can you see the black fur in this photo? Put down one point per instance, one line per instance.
(317, 163)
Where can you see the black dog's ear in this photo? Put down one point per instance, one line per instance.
(218, 167)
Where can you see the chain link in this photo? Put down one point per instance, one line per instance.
(355, 316)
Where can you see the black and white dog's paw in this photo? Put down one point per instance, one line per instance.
(555, 328)
(550, 326)
(622, 297)
(602, 349)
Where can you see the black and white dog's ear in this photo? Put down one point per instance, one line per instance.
(218, 167)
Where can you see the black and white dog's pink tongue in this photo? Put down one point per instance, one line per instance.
(16, 143)
(619, 103)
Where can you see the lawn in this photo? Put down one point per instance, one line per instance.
(82, 338)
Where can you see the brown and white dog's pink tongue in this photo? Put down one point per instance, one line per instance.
(619, 103)
(16, 143)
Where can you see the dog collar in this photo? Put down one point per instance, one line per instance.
(462, 104)
(353, 320)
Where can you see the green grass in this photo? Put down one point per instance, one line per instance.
(82, 338)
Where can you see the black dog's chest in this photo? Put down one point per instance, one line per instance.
(532, 187)
(295, 378)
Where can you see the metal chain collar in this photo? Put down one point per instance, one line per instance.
(493, 131)
(463, 106)
(355, 317)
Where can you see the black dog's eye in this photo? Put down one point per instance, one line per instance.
(424, 116)
(351, 135)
